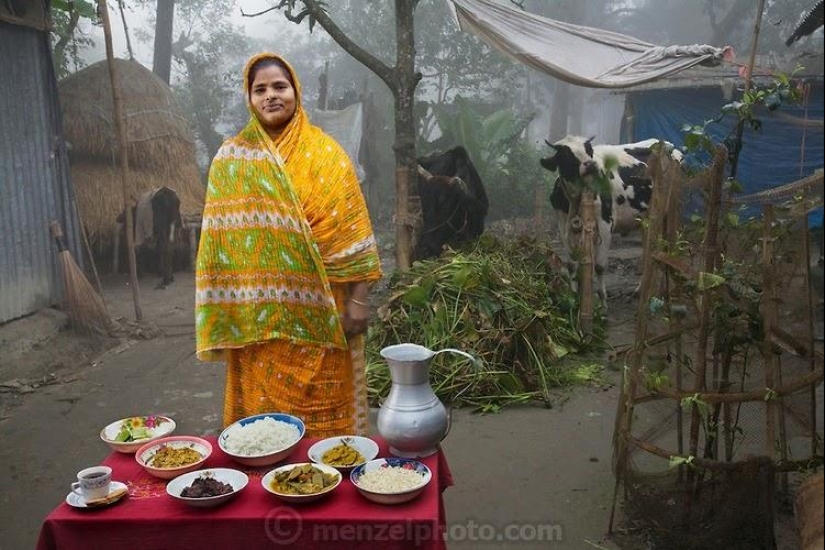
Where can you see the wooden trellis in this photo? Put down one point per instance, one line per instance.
(711, 350)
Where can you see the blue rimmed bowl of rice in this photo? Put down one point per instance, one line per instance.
(391, 480)
(263, 439)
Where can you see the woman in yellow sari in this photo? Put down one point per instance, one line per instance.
(285, 262)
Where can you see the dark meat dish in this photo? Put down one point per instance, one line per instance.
(206, 487)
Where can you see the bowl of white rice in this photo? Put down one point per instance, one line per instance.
(263, 439)
(391, 480)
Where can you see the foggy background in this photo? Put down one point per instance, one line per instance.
(462, 76)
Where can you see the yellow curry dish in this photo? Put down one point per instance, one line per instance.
(174, 457)
(342, 455)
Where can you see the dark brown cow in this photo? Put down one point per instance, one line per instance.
(453, 202)
(156, 218)
(165, 219)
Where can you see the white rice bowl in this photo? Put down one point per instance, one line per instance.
(391, 480)
(263, 439)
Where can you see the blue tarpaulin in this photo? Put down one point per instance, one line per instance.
(786, 149)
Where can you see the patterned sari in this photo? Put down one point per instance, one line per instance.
(285, 230)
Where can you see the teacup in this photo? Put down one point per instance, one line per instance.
(93, 482)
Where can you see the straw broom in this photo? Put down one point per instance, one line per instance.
(84, 306)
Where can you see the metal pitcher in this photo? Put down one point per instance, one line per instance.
(412, 419)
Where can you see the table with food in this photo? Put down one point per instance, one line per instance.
(260, 484)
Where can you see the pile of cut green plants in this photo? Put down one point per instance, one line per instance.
(505, 302)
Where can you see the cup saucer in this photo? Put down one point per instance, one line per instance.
(76, 501)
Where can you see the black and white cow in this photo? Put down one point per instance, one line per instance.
(453, 202)
(623, 167)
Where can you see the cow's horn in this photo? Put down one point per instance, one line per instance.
(591, 138)
(423, 173)
(550, 144)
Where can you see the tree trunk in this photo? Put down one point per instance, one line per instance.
(406, 190)
(402, 81)
(162, 60)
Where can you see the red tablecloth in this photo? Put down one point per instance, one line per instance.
(150, 519)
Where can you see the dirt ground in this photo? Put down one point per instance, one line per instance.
(546, 471)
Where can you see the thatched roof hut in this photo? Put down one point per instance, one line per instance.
(160, 144)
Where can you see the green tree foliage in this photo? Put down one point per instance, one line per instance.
(208, 52)
(67, 40)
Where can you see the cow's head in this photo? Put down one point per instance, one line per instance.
(572, 158)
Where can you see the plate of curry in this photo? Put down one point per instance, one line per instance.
(301, 482)
(343, 452)
(170, 457)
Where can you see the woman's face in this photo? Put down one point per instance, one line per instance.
(273, 98)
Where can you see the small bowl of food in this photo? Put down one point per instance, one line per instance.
(391, 480)
(127, 435)
(262, 439)
(170, 457)
(344, 452)
(302, 482)
(207, 488)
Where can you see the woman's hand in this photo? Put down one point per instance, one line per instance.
(356, 317)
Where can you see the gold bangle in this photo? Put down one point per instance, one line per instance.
(359, 302)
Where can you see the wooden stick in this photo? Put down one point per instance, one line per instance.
(711, 255)
(740, 128)
(89, 252)
(809, 310)
(769, 320)
(116, 248)
(588, 234)
(756, 395)
(123, 155)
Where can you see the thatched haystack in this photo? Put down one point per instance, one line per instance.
(160, 143)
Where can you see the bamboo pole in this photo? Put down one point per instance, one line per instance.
(88, 248)
(712, 437)
(783, 428)
(589, 232)
(711, 254)
(719, 466)
(809, 311)
(125, 30)
(740, 127)
(675, 292)
(769, 319)
(797, 385)
(630, 383)
(123, 156)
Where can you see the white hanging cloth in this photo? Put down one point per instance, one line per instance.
(346, 126)
(583, 56)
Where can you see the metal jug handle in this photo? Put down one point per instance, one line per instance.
(458, 351)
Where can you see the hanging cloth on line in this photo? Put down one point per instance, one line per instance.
(584, 56)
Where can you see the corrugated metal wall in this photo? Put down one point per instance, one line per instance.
(34, 175)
